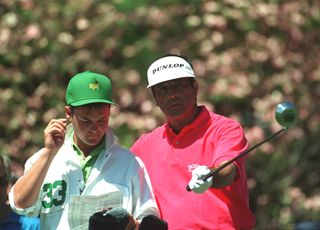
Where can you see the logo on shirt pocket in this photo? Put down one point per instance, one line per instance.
(192, 167)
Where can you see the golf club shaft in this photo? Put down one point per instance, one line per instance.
(218, 169)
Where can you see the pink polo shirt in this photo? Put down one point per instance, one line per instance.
(170, 159)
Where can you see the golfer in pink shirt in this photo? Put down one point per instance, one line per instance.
(186, 147)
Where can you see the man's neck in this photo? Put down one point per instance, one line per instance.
(178, 124)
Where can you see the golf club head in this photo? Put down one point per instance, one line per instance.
(286, 114)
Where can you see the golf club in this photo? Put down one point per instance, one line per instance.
(286, 116)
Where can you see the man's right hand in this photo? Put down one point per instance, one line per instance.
(26, 189)
(54, 134)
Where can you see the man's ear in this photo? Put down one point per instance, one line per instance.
(195, 87)
(155, 100)
(68, 112)
(154, 95)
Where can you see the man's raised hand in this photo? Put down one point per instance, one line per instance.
(54, 134)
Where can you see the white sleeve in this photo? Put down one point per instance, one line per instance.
(143, 197)
(33, 210)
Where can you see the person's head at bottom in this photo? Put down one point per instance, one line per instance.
(152, 222)
(120, 219)
(114, 219)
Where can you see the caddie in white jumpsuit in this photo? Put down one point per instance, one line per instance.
(81, 169)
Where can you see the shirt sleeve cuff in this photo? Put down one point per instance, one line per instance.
(29, 211)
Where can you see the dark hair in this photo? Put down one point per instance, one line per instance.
(5, 160)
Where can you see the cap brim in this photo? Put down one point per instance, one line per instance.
(91, 101)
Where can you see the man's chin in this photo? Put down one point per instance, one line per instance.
(93, 141)
(176, 113)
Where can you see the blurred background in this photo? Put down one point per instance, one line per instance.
(248, 55)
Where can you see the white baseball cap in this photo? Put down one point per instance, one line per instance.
(168, 68)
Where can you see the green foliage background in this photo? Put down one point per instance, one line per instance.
(249, 55)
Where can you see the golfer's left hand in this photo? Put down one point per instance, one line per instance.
(198, 185)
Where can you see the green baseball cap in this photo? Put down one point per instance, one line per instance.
(87, 88)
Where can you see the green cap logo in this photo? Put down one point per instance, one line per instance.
(87, 88)
(94, 85)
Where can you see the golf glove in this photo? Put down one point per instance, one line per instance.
(196, 184)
